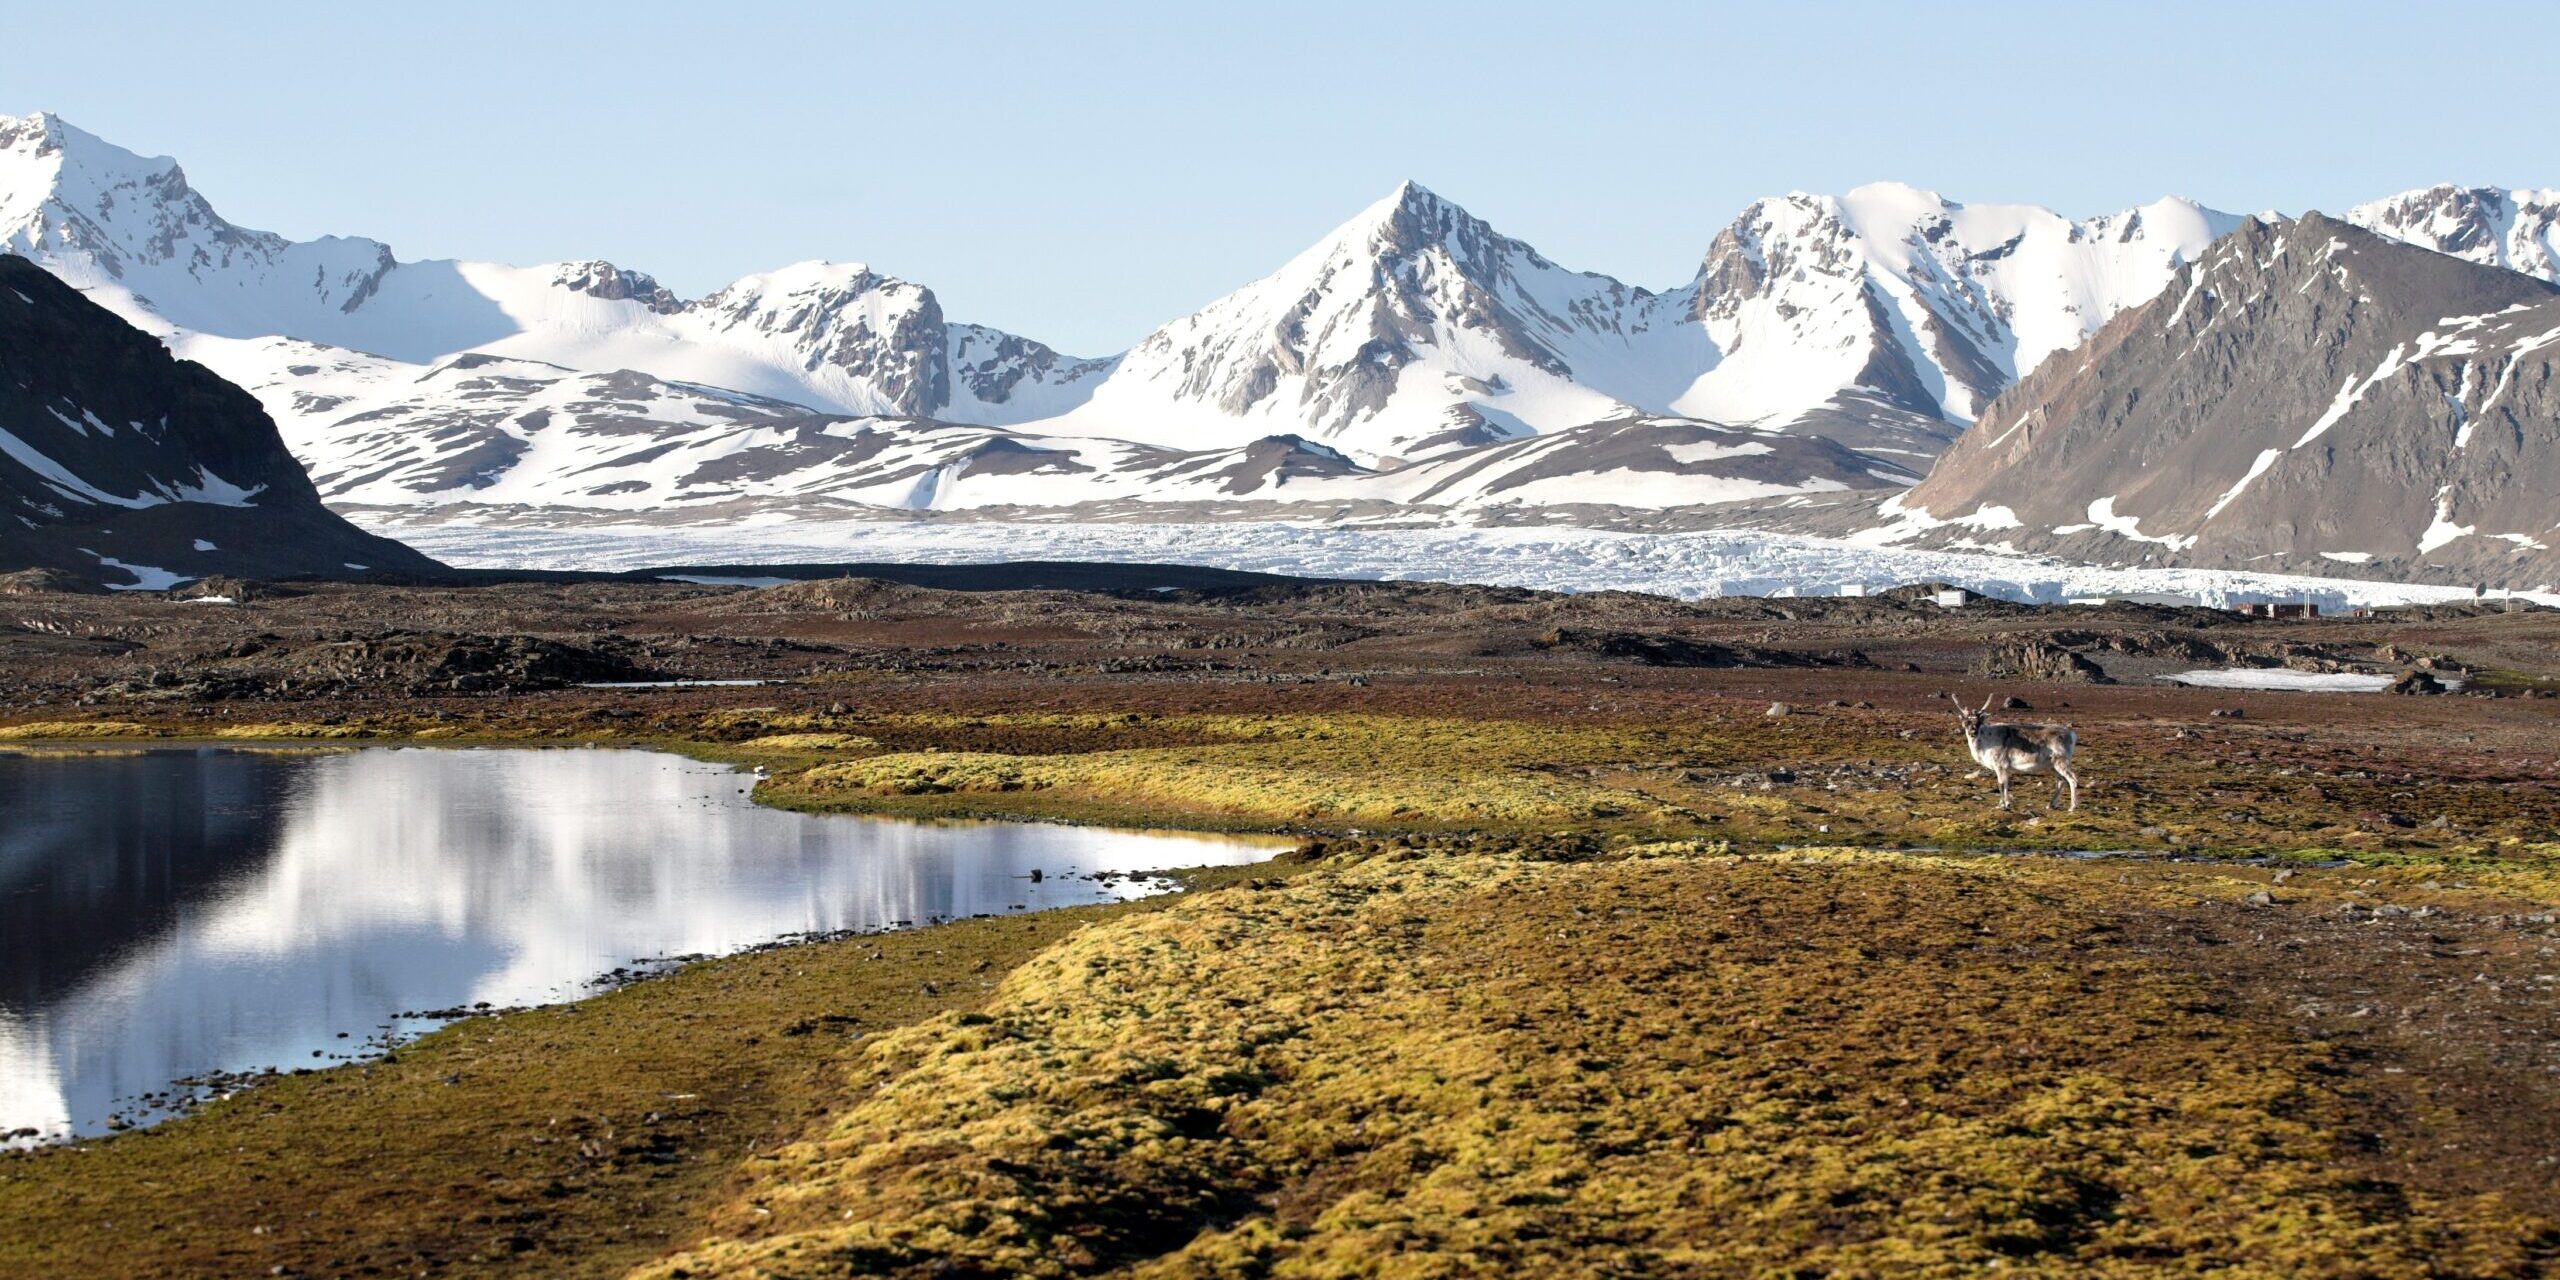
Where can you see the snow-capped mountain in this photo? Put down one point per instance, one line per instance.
(1415, 360)
(134, 234)
(1411, 330)
(123, 466)
(1881, 318)
(1884, 319)
(2308, 397)
(2493, 226)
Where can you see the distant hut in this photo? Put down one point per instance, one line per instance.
(2281, 609)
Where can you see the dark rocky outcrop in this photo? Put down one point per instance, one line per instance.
(415, 663)
(2419, 682)
(1659, 650)
(2036, 658)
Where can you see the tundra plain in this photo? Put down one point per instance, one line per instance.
(1627, 937)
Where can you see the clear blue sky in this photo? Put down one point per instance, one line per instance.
(1081, 175)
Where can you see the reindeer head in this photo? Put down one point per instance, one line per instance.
(1971, 718)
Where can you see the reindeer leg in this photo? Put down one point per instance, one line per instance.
(2003, 773)
(2066, 774)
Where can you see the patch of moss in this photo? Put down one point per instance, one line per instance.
(1676, 1064)
(41, 729)
(1839, 777)
(297, 729)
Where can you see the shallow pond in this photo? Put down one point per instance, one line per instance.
(196, 913)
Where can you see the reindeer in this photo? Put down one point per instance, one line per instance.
(2005, 749)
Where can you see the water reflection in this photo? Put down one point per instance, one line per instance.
(169, 913)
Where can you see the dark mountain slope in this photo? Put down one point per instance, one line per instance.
(2306, 397)
(124, 466)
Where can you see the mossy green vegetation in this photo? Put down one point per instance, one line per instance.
(1810, 778)
(296, 730)
(1676, 1062)
(1359, 770)
(1643, 994)
(45, 730)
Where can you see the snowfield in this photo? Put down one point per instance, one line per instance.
(1685, 565)
(2279, 678)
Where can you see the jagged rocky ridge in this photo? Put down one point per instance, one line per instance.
(123, 466)
(2495, 227)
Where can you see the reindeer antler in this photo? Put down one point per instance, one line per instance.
(1986, 699)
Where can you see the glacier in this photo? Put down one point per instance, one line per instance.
(1682, 565)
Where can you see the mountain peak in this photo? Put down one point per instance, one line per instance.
(69, 194)
(1410, 194)
(811, 278)
(43, 135)
(34, 131)
(2518, 229)
(600, 279)
(1409, 214)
